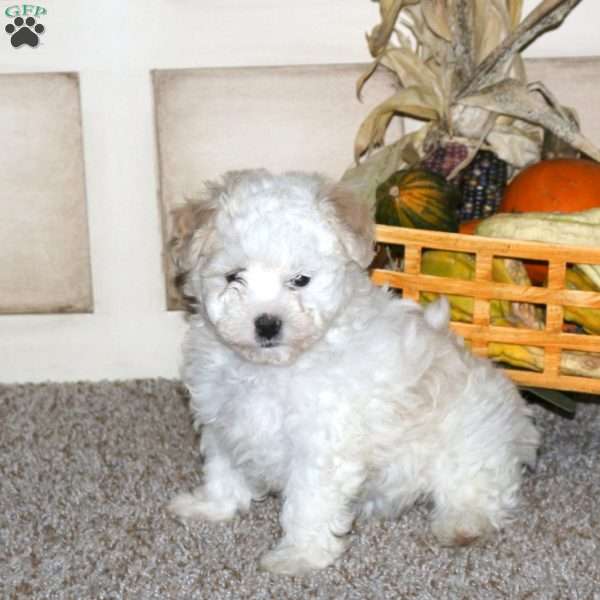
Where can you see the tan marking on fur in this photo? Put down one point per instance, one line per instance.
(463, 539)
(356, 215)
(186, 221)
(351, 210)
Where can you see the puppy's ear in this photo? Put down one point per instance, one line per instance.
(191, 229)
(353, 221)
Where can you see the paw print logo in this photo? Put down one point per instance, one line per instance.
(24, 32)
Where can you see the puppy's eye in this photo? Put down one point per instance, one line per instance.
(300, 281)
(234, 276)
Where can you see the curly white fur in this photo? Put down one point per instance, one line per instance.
(359, 404)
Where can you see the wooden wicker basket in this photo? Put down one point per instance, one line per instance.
(554, 297)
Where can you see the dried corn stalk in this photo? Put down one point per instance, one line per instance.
(458, 66)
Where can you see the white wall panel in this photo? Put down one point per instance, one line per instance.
(44, 267)
(281, 118)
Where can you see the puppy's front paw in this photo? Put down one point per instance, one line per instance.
(287, 559)
(197, 505)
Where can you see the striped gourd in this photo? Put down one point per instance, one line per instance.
(417, 198)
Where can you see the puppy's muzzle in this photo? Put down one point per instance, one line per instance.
(267, 328)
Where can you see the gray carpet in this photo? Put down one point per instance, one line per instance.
(86, 469)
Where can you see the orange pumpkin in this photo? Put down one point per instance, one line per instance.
(468, 227)
(558, 185)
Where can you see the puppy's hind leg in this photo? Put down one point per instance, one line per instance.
(469, 506)
(224, 491)
(474, 493)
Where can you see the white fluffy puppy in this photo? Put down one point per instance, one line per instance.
(311, 382)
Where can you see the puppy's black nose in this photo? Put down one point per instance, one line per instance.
(267, 326)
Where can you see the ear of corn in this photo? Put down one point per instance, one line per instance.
(482, 185)
(586, 364)
(587, 318)
(456, 265)
(445, 158)
(523, 357)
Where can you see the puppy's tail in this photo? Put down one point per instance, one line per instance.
(437, 314)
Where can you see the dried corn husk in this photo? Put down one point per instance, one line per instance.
(512, 97)
(413, 99)
(389, 10)
(547, 15)
(554, 147)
